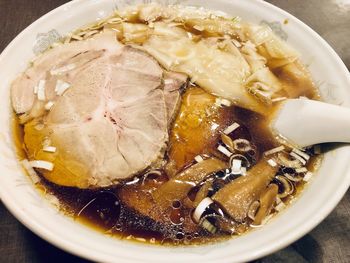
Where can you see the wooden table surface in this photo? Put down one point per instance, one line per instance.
(328, 242)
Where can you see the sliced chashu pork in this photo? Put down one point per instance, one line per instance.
(63, 63)
(173, 81)
(110, 124)
(55, 64)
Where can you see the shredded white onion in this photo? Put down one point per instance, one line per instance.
(214, 126)
(272, 163)
(278, 200)
(301, 170)
(41, 90)
(302, 154)
(236, 166)
(278, 99)
(50, 149)
(42, 165)
(222, 102)
(32, 174)
(49, 105)
(61, 87)
(62, 69)
(201, 208)
(236, 43)
(274, 150)
(223, 150)
(190, 36)
(298, 157)
(231, 128)
(280, 206)
(133, 181)
(208, 226)
(156, 172)
(198, 159)
(225, 102)
(308, 176)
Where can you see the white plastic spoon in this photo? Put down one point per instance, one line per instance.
(305, 122)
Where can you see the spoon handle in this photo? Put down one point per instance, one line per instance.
(306, 122)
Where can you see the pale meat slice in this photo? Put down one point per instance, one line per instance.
(111, 123)
(59, 63)
(173, 82)
(143, 129)
(133, 59)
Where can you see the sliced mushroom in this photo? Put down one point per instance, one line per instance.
(267, 200)
(138, 198)
(178, 187)
(237, 196)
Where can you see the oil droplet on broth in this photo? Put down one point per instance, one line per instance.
(176, 217)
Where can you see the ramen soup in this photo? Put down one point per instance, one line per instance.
(153, 124)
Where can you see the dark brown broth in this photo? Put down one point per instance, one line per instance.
(103, 210)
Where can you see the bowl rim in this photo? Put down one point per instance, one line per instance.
(81, 251)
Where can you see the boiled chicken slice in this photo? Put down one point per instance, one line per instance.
(110, 124)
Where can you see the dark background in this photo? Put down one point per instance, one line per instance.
(328, 242)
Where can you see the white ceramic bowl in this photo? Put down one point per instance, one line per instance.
(316, 202)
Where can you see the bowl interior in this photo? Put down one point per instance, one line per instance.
(318, 199)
